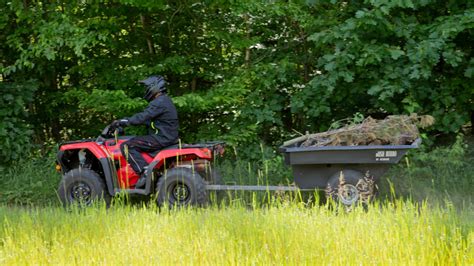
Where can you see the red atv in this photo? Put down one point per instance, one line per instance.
(96, 169)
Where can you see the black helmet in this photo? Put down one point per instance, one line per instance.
(154, 85)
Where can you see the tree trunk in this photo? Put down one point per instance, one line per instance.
(247, 50)
(193, 84)
(148, 36)
(247, 57)
(55, 123)
(472, 122)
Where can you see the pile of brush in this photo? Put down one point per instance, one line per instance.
(393, 130)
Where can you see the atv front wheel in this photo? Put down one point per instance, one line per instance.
(82, 187)
(181, 187)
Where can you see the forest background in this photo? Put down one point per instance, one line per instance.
(251, 73)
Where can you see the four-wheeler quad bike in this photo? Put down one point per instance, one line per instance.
(96, 169)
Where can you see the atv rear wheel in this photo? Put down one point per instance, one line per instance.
(82, 187)
(181, 187)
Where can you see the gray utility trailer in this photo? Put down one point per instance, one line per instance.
(314, 166)
(347, 173)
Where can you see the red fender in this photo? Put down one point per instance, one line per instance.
(202, 153)
(98, 151)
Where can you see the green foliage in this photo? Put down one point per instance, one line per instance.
(31, 181)
(440, 174)
(247, 72)
(100, 101)
(15, 133)
(395, 57)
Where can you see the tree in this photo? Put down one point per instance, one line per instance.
(246, 72)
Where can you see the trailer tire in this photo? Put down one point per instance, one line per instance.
(350, 187)
(181, 187)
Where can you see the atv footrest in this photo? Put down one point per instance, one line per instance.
(131, 191)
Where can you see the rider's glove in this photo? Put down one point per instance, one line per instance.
(120, 123)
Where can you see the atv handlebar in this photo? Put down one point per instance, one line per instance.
(109, 132)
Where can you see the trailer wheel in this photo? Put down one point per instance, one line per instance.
(350, 187)
(181, 187)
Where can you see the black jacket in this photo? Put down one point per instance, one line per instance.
(162, 118)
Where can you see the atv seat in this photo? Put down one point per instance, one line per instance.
(174, 146)
(155, 152)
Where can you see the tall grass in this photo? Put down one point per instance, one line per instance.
(428, 220)
(399, 233)
(435, 175)
(30, 182)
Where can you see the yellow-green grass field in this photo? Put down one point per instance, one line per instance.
(397, 233)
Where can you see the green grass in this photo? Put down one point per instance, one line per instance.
(399, 233)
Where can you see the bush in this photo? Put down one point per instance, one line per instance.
(442, 173)
(15, 132)
(30, 182)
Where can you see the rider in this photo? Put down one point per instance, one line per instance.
(161, 117)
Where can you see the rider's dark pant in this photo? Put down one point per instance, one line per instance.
(133, 148)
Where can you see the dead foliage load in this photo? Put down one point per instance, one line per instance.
(393, 130)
